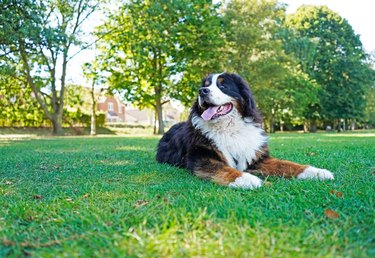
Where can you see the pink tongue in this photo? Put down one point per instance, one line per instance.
(209, 113)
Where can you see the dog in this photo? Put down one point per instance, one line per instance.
(223, 139)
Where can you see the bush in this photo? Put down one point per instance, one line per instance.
(81, 119)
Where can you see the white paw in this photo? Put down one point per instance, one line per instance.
(246, 181)
(316, 173)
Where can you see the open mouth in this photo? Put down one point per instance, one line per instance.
(213, 112)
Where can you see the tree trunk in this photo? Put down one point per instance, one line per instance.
(93, 121)
(265, 125)
(57, 120)
(159, 112)
(60, 108)
(352, 126)
(313, 126)
(271, 125)
(339, 129)
(93, 110)
(155, 119)
(305, 127)
(57, 125)
(158, 92)
(272, 121)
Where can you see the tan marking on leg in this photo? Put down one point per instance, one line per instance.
(277, 167)
(217, 172)
(226, 175)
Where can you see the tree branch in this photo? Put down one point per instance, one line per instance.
(93, 9)
(46, 95)
(165, 102)
(32, 84)
(92, 43)
(7, 53)
(78, 21)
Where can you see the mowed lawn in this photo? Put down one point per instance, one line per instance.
(107, 197)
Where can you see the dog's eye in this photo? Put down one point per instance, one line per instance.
(220, 83)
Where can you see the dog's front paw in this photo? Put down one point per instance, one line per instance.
(316, 173)
(246, 181)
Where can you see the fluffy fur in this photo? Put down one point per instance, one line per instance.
(223, 139)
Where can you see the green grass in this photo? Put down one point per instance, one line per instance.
(107, 197)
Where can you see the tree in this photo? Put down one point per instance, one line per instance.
(339, 64)
(158, 50)
(93, 75)
(369, 118)
(370, 107)
(40, 35)
(253, 52)
(303, 50)
(256, 51)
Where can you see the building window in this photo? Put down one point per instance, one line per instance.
(110, 106)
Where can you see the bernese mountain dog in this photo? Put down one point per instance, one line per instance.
(223, 139)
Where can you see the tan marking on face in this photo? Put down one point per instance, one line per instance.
(206, 83)
(220, 80)
(236, 104)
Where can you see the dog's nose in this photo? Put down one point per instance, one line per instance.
(204, 92)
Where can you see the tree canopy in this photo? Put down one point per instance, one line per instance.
(157, 50)
(307, 68)
(256, 42)
(339, 62)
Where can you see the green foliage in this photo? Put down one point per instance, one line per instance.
(17, 106)
(78, 103)
(253, 51)
(107, 197)
(305, 68)
(260, 52)
(78, 118)
(369, 118)
(302, 51)
(149, 45)
(100, 120)
(339, 64)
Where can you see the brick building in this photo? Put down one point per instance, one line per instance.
(113, 107)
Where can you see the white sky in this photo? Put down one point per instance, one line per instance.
(359, 13)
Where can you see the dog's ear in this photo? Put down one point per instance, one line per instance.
(249, 109)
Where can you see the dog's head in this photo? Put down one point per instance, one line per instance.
(222, 93)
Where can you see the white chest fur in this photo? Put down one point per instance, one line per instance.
(238, 140)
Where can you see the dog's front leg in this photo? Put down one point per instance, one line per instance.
(219, 172)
